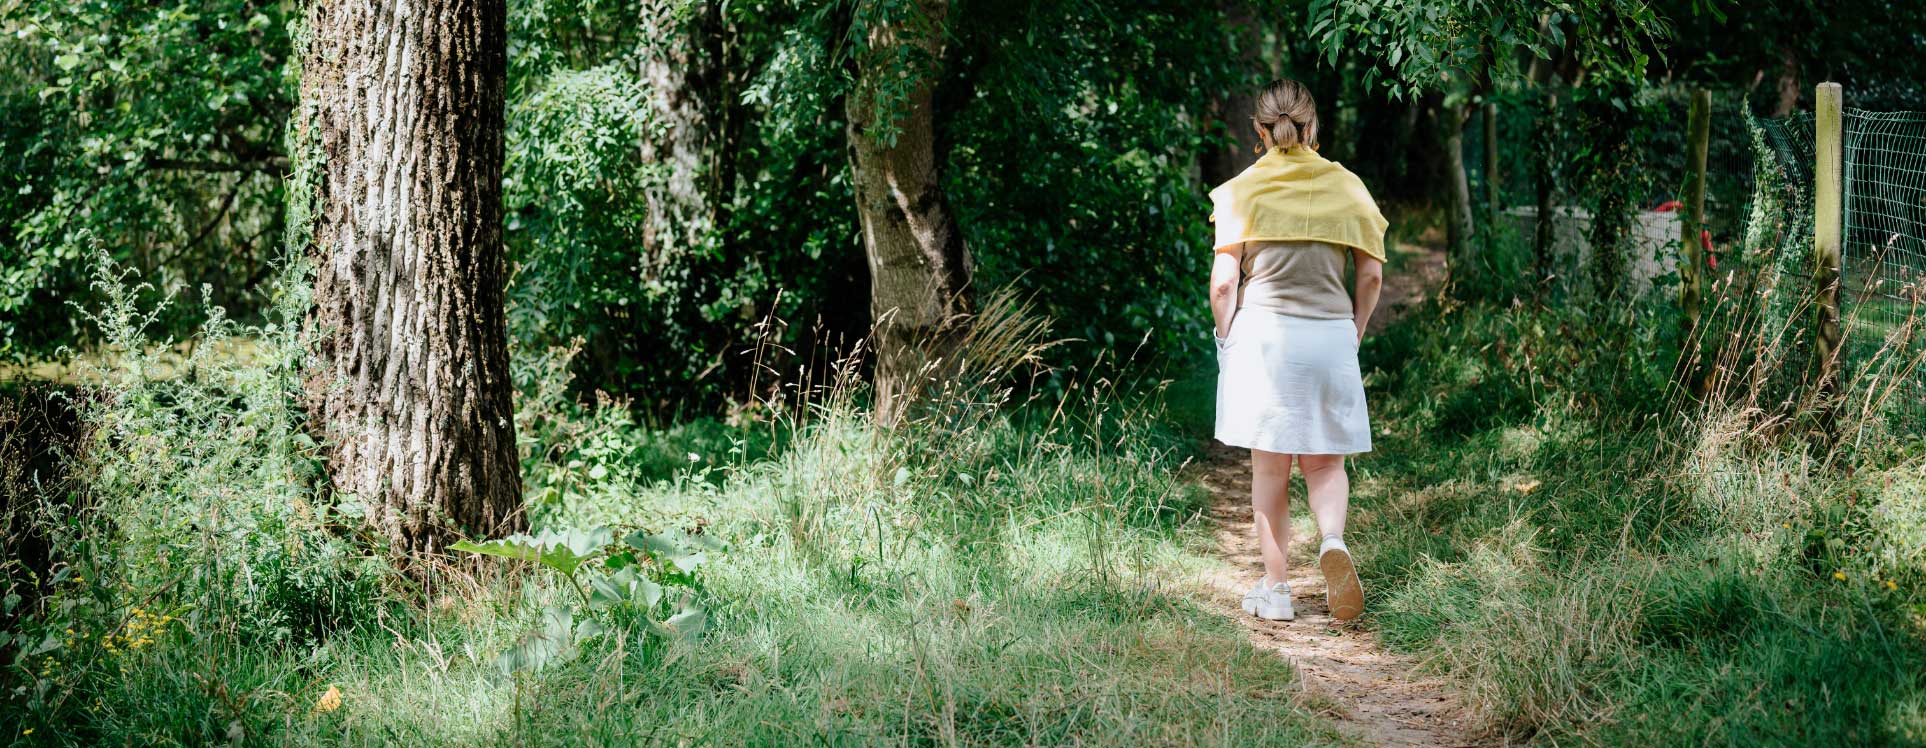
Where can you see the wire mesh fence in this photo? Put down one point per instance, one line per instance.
(1762, 209)
(1759, 215)
(1884, 257)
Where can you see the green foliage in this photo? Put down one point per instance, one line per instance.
(1071, 147)
(1439, 46)
(194, 519)
(151, 129)
(609, 579)
(200, 474)
(1069, 164)
(575, 225)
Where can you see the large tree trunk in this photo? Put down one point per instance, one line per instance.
(919, 268)
(402, 99)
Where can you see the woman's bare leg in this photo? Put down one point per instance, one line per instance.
(1271, 509)
(1330, 491)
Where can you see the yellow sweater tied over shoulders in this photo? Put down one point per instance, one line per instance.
(1297, 195)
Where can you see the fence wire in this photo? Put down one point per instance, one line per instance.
(1884, 258)
(1758, 219)
(1762, 207)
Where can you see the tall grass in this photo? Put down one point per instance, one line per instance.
(1011, 566)
(1601, 560)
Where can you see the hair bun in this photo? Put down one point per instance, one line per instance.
(1288, 114)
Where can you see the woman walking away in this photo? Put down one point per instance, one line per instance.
(1288, 384)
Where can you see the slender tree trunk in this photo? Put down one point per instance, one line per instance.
(682, 64)
(409, 384)
(919, 267)
(1540, 70)
(1692, 256)
(1545, 180)
(1788, 83)
(1610, 230)
(1234, 110)
(1492, 180)
(1458, 221)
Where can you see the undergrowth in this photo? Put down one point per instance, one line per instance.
(1599, 560)
(1011, 567)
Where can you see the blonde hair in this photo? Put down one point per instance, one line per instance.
(1288, 113)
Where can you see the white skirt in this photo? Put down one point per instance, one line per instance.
(1291, 385)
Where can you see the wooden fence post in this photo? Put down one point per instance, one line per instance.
(1692, 248)
(1827, 217)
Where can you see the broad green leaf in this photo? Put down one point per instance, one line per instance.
(685, 625)
(553, 640)
(562, 551)
(624, 587)
(672, 547)
(47, 644)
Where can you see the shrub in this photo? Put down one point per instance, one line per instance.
(197, 520)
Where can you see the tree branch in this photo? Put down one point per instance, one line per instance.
(269, 164)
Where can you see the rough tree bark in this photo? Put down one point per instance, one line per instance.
(402, 102)
(918, 265)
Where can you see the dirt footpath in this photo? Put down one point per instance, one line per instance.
(1376, 695)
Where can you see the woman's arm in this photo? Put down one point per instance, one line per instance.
(1364, 298)
(1226, 270)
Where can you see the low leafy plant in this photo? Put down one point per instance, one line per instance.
(615, 583)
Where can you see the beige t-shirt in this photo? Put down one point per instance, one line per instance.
(1300, 279)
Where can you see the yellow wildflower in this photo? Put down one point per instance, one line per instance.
(1839, 575)
(330, 700)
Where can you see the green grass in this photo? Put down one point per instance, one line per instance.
(1025, 577)
(1589, 575)
(1585, 572)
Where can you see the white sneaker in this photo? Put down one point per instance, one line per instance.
(1342, 590)
(1272, 603)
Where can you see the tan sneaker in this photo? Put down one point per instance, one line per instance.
(1342, 590)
